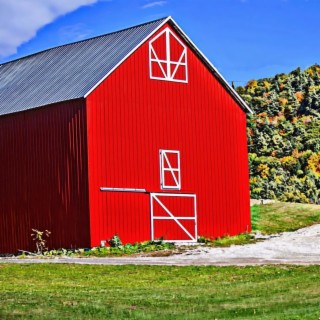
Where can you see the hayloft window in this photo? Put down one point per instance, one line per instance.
(168, 57)
(170, 177)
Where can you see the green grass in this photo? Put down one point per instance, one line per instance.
(51, 291)
(281, 217)
(227, 241)
(271, 219)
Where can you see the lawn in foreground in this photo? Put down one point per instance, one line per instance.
(49, 291)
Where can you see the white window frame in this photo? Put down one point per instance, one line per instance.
(165, 160)
(167, 74)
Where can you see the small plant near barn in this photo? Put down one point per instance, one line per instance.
(40, 240)
(115, 241)
(115, 250)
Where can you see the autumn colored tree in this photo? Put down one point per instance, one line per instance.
(284, 135)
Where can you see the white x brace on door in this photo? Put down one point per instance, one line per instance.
(174, 220)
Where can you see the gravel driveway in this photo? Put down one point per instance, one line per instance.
(299, 247)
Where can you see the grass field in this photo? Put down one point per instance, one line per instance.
(281, 217)
(49, 291)
(271, 219)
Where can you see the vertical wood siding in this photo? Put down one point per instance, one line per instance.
(130, 118)
(43, 177)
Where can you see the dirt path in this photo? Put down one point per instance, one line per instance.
(299, 247)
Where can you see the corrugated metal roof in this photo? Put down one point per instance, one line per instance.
(73, 70)
(66, 72)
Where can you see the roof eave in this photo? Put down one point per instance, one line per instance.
(128, 55)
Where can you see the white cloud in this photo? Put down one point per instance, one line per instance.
(74, 32)
(154, 4)
(21, 19)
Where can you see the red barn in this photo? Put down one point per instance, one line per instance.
(134, 132)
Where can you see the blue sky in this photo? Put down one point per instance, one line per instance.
(244, 39)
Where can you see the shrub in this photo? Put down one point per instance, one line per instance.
(115, 241)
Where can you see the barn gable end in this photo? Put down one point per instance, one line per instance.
(133, 116)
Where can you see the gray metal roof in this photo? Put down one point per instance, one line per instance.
(66, 72)
(73, 70)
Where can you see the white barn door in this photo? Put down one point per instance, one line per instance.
(173, 217)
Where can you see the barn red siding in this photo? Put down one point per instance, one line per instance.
(43, 177)
(130, 118)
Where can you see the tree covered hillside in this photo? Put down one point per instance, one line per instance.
(284, 136)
